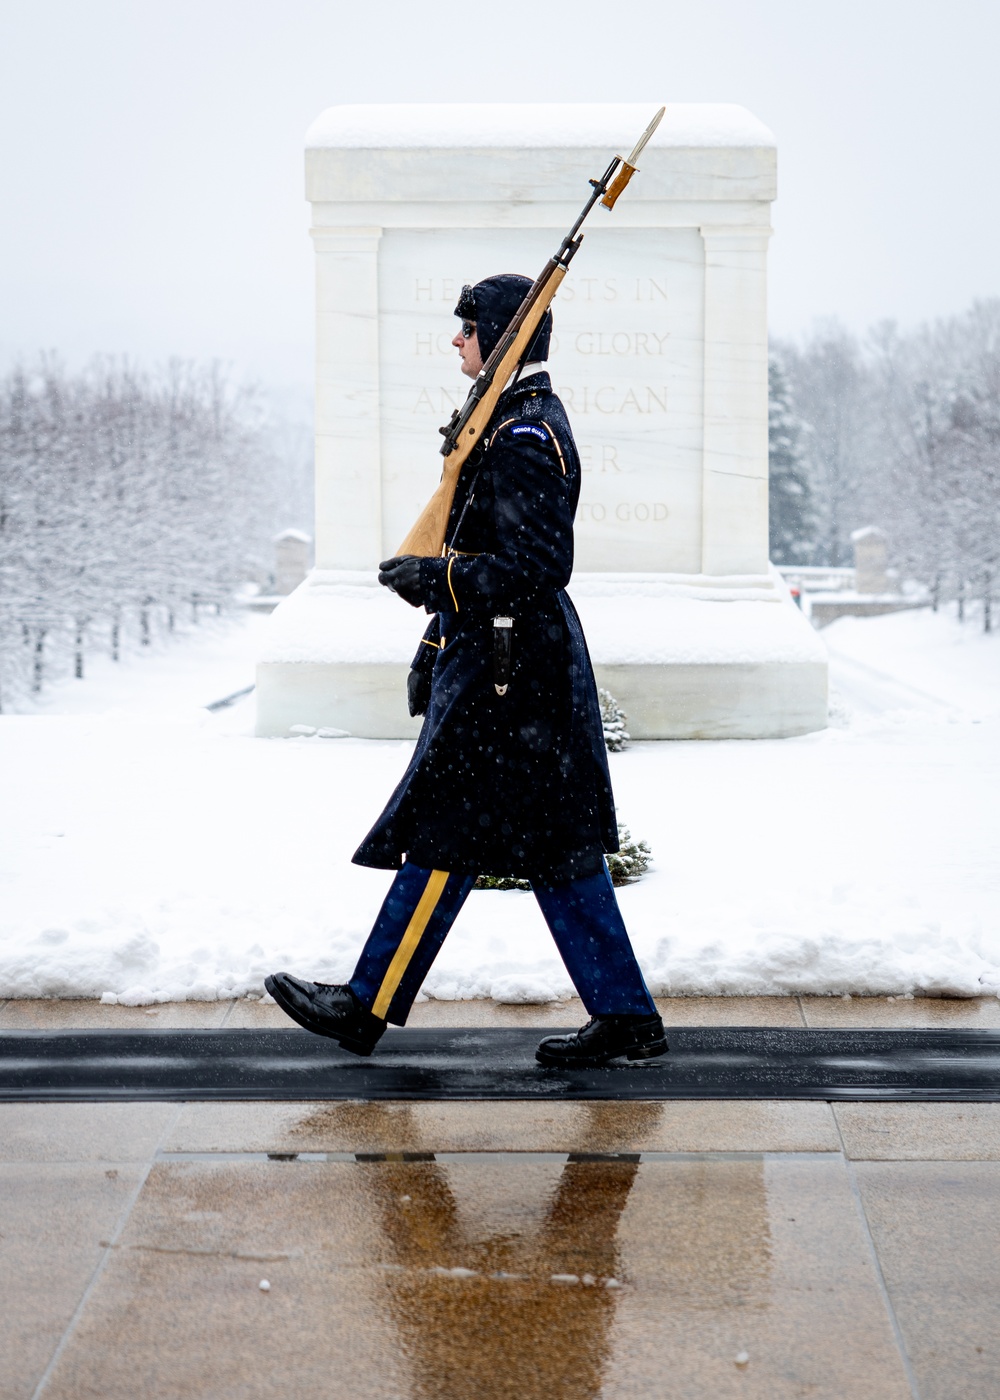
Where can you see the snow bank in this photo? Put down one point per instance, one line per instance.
(158, 852)
(452, 125)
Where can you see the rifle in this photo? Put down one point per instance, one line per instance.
(468, 423)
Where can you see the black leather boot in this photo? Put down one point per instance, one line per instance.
(326, 1010)
(605, 1038)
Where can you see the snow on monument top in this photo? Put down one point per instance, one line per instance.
(608, 125)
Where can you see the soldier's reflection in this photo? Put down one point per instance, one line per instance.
(511, 1326)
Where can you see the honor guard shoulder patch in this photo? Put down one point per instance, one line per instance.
(532, 430)
(541, 432)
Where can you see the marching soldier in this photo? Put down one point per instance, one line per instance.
(510, 773)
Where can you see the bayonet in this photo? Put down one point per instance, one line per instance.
(640, 145)
(629, 166)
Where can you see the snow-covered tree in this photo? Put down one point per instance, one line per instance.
(791, 514)
(614, 722)
(829, 383)
(904, 433)
(126, 496)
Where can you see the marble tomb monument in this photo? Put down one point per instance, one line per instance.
(659, 353)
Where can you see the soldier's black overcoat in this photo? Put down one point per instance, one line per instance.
(515, 784)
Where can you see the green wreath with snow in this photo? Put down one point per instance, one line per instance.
(626, 865)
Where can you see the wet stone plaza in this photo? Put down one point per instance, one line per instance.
(468, 1250)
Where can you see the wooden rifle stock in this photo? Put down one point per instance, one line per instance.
(427, 537)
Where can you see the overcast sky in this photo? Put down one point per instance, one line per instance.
(151, 150)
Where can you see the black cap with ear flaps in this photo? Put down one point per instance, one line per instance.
(492, 304)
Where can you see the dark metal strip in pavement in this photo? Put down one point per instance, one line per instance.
(455, 1063)
(492, 1157)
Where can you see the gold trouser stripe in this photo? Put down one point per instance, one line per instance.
(410, 941)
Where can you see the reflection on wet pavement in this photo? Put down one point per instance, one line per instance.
(494, 1294)
(538, 1309)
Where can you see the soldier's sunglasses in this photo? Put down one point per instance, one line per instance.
(468, 329)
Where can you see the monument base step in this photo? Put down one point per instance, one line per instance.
(686, 657)
(717, 701)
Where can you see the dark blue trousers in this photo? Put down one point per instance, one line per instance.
(421, 906)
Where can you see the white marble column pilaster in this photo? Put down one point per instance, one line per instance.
(348, 459)
(734, 479)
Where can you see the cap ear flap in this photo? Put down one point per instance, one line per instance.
(466, 307)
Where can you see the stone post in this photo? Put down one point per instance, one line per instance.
(291, 560)
(871, 557)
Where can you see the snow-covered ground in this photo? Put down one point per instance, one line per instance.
(151, 850)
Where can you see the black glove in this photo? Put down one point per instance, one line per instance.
(418, 692)
(402, 576)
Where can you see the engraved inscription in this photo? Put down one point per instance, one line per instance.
(439, 400)
(590, 343)
(586, 289)
(613, 289)
(427, 343)
(608, 399)
(625, 359)
(436, 289)
(621, 343)
(599, 457)
(624, 513)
